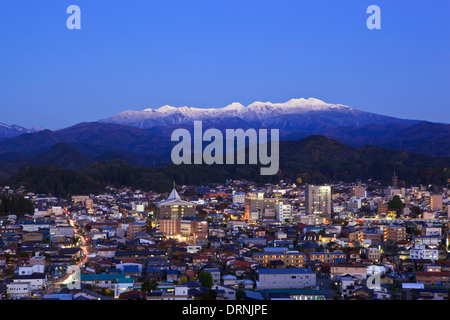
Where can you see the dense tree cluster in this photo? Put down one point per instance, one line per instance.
(53, 180)
(314, 160)
(15, 204)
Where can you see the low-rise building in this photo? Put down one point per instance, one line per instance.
(285, 278)
(37, 281)
(288, 258)
(103, 280)
(357, 270)
(421, 252)
(433, 278)
(431, 241)
(373, 254)
(327, 257)
(18, 290)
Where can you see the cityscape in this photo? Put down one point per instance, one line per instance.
(233, 241)
(224, 158)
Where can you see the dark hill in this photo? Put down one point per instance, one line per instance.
(316, 159)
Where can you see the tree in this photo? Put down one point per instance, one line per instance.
(107, 292)
(209, 295)
(202, 213)
(149, 286)
(205, 279)
(13, 204)
(183, 280)
(240, 294)
(22, 254)
(189, 192)
(416, 212)
(176, 255)
(396, 203)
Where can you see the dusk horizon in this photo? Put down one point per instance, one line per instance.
(210, 54)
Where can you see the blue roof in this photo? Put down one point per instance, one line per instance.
(329, 253)
(114, 270)
(294, 291)
(427, 237)
(150, 269)
(170, 271)
(225, 286)
(245, 281)
(253, 295)
(259, 267)
(192, 284)
(286, 271)
(101, 277)
(274, 249)
(61, 296)
(132, 268)
(433, 290)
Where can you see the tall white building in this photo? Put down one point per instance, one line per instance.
(284, 211)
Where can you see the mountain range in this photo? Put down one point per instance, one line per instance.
(299, 118)
(309, 115)
(8, 131)
(142, 138)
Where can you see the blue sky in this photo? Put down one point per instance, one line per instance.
(137, 54)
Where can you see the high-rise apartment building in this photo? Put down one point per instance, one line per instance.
(284, 211)
(254, 204)
(436, 202)
(318, 200)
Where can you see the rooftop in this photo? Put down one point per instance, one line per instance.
(286, 271)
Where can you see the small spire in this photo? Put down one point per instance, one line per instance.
(174, 195)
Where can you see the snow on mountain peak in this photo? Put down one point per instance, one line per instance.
(234, 106)
(167, 109)
(310, 104)
(256, 111)
(309, 101)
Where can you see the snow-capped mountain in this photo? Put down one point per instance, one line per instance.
(294, 115)
(8, 131)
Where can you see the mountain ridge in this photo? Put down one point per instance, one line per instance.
(148, 143)
(257, 113)
(9, 131)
